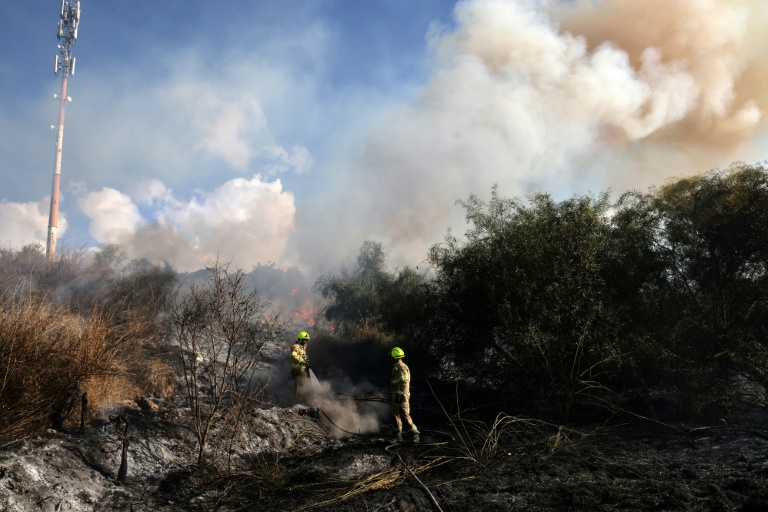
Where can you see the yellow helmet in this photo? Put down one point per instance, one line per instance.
(397, 353)
(304, 336)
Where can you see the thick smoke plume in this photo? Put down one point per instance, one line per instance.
(558, 97)
(717, 47)
(533, 96)
(346, 405)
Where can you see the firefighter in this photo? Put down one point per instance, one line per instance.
(400, 394)
(299, 364)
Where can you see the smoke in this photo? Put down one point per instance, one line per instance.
(241, 222)
(26, 223)
(345, 414)
(529, 95)
(716, 45)
(346, 405)
(557, 97)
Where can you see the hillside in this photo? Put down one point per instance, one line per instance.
(295, 463)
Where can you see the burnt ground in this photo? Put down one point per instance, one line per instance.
(627, 467)
(290, 464)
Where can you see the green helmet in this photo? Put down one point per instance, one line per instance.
(304, 336)
(397, 353)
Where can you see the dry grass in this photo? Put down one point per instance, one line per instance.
(479, 442)
(158, 376)
(49, 356)
(345, 490)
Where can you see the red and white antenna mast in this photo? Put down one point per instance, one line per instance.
(69, 19)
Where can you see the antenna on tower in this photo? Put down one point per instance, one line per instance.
(69, 20)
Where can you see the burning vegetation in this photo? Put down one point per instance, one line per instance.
(553, 327)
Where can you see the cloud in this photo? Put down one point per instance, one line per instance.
(529, 95)
(236, 130)
(221, 135)
(148, 191)
(296, 158)
(186, 129)
(114, 216)
(27, 223)
(244, 221)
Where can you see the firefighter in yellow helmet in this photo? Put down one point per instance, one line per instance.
(400, 394)
(299, 363)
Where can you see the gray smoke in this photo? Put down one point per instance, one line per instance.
(346, 406)
(530, 95)
(561, 97)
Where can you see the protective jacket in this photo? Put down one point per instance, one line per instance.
(299, 356)
(400, 381)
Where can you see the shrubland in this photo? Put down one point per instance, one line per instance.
(584, 302)
(565, 306)
(78, 325)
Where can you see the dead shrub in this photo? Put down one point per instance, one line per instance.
(221, 326)
(106, 393)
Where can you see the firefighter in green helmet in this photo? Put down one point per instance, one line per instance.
(400, 394)
(299, 364)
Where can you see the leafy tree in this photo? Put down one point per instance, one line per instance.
(710, 233)
(371, 296)
(356, 295)
(405, 302)
(146, 286)
(373, 309)
(523, 301)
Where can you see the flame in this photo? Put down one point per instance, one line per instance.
(303, 312)
(306, 313)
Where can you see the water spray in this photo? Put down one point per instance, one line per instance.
(69, 20)
(314, 382)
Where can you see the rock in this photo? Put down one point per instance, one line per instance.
(109, 448)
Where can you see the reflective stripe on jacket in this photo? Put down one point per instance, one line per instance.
(400, 379)
(298, 356)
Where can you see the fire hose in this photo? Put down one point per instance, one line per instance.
(393, 445)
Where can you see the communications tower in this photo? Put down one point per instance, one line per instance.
(69, 19)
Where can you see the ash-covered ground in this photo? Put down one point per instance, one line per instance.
(337, 454)
(293, 460)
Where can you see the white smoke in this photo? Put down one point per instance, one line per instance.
(26, 223)
(555, 97)
(530, 95)
(237, 131)
(242, 222)
(114, 216)
(343, 414)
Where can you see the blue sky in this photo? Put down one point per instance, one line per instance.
(290, 132)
